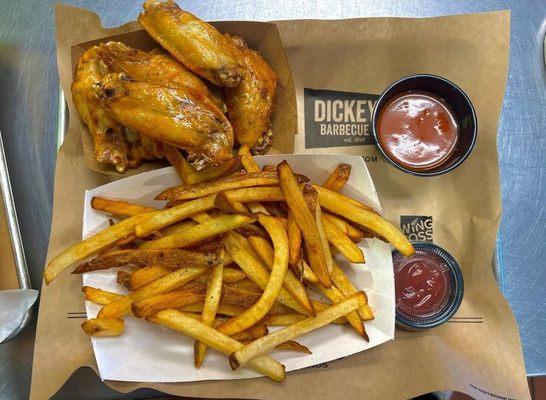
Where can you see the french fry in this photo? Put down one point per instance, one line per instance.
(169, 258)
(228, 310)
(233, 275)
(306, 222)
(178, 227)
(174, 214)
(250, 194)
(269, 168)
(104, 327)
(303, 271)
(311, 198)
(123, 278)
(336, 203)
(247, 160)
(338, 178)
(224, 203)
(330, 194)
(212, 172)
(91, 245)
(283, 319)
(267, 343)
(242, 254)
(177, 160)
(274, 284)
(174, 299)
(118, 207)
(291, 282)
(254, 332)
(342, 242)
(246, 284)
(347, 288)
(198, 233)
(294, 242)
(286, 346)
(145, 275)
(99, 296)
(210, 307)
(320, 306)
(354, 233)
(174, 280)
(211, 337)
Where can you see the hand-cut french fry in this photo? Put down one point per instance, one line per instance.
(243, 255)
(169, 282)
(335, 296)
(178, 227)
(233, 275)
(103, 327)
(347, 288)
(269, 168)
(330, 194)
(342, 242)
(338, 178)
(212, 172)
(311, 198)
(291, 282)
(254, 332)
(246, 284)
(228, 310)
(174, 214)
(211, 337)
(286, 346)
(224, 203)
(320, 306)
(118, 207)
(247, 160)
(274, 284)
(99, 296)
(306, 221)
(294, 242)
(174, 299)
(177, 160)
(123, 278)
(91, 245)
(198, 233)
(187, 192)
(354, 233)
(210, 306)
(145, 275)
(267, 343)
(171, 258)
(304, 271)
(283, 319)
(336, 203)
(261, 193)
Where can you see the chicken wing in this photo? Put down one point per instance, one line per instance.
(193, 42)
(153, 67)
(251, 104)
(180, 117)
(108, 136)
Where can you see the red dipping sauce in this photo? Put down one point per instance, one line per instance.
(417, 130)
(422, 284)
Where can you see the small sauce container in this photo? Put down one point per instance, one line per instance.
(428, 287)
(424, 125)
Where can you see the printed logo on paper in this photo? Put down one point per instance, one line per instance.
(416, 227)
(335, 119)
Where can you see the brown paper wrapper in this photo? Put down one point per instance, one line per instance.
(8, 273)
(482, 358)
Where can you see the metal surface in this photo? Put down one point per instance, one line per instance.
(15, 237)
(28, 119)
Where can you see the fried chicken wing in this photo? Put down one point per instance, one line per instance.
(108, 137)
(251, 104)
(177, 116)
(153, 67)
(193, 42)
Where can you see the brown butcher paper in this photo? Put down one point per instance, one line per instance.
(479, 351)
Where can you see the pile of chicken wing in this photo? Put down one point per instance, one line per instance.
(205, 94)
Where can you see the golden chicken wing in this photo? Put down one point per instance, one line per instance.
(175, 116)
(153, 67)
(193, 42)
(110, 145)
(251, 104)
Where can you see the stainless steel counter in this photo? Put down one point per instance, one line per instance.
(28, 121)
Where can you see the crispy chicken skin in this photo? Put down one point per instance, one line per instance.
(108, 137)
(193, 42)
(180, 117)
(251, 104)
(153, 67)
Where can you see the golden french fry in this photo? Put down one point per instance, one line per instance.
(342, 242)
(123, 278)
(291, 282)
(243, 255)
(212, 172)
(171, 258)
(198, 233)
(269, 168)
(354, 233)
(210, 307)
(145, 275)
(347, 288)
(174, 214)
(232, 310)
(224, 203)
(177, 160)
(99, 296)
(320, 306)
(211, 337)
(174, 280)
(274, 284)
(294, 241)
(233, 275)
(254, 332)
(91, 245)
(246, 284)
(330, 194)
(336, 203)
(267, 343)
(306, 222)
(338, 178)
(311, 198)
(103, 327)
(175, 299)
(247, 160)
(260, 193)
(178, 227)
(118, 207)
(283, 319)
